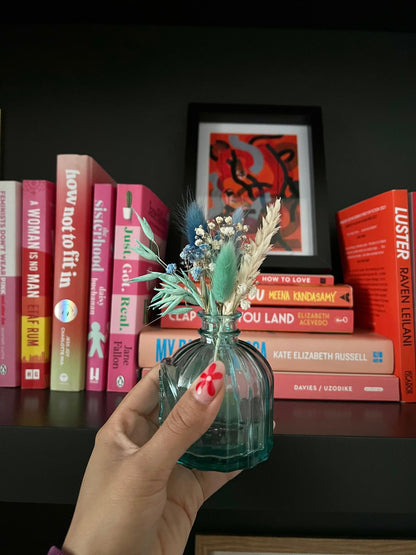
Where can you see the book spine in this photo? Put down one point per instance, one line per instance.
(332, 387)
(101, 275)
(10, 282)
(374, 237)
(38, 224)
(130, 300)
(264, 318)
(335, 296)
(76, 176)
(359, 352)
(295, 279)
(336, 387)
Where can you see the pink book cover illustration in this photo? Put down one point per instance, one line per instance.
(101, 276)
(10, 282)
(130, 300)
(38, 225)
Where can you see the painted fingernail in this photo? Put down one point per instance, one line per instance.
(209, 382)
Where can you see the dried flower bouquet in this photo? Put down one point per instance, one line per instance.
(219, 265)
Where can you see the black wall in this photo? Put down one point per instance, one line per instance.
(120, 93)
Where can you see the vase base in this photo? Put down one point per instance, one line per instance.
(229, 464)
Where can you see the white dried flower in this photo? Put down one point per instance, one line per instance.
(245, 304)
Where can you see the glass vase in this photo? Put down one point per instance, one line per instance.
(241, 435)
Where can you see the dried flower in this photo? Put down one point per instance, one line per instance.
(218, 267)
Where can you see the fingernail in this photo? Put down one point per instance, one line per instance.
(209, 382)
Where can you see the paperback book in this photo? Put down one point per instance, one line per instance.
(374, 238)
(332, 387)
(335, 296)
(38, 241)
(295, 279)
(101, 276)
(265, 318)
(10, 282)
(130, 300)
(75, 179)
(363, 351)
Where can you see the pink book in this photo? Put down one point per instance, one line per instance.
(101, 276)
(130, 300)
(336, 387)
(10, 282)
(332, 387)
(38, 236)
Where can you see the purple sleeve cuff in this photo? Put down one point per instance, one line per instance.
(55, 551)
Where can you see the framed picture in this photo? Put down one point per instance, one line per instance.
(244, 155)
(256, 545)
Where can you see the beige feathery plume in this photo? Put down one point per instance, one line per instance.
(252, 260)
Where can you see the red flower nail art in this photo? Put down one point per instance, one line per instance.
(207, 378)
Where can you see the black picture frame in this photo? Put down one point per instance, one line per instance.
(285, 141)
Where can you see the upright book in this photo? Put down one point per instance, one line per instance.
(10, 282)
(130, 300)
(374, 238)
(363, 351)
(75, 179)
(38, 240)
(101, 277)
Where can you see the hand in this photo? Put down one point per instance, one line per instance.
(135, 498)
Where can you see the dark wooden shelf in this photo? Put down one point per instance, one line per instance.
(337, 468)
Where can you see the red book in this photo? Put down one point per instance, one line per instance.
(130, 300)
(295, 279)
(335, 296)
(333, 387)
(38, 241)
(363, 351)
(75, 179)
(101, 278)
(10, 282)
(267, 318)
(374, 237)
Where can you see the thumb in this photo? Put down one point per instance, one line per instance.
(189, 419)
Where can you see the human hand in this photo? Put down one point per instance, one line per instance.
(135, 498)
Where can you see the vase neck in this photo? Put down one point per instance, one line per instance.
(219, 328)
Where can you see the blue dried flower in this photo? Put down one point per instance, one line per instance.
(171, 268)
(193, 219)
(196, 273)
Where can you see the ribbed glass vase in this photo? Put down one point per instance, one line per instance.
(241, 436)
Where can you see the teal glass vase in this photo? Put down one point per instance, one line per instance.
(241, 435)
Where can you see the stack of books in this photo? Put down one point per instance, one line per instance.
(304, 325)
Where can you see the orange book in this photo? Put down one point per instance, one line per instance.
(75, 179)
(374, 238)
(335, 296)
(361, 352)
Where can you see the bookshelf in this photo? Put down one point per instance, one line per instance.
(337, 469)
